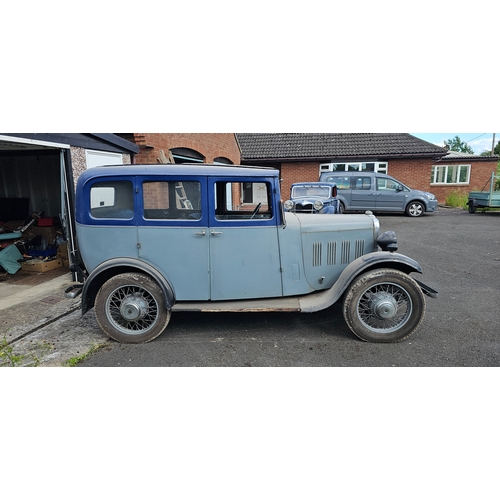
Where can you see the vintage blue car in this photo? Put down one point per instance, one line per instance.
(313, 198)
(155, 239)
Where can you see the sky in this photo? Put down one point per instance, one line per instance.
(478, 142)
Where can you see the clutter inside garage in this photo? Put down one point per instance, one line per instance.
(31, 234)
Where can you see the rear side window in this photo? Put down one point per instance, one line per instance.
(363, 183)
(172, 200)
(342, 182)
(112, 200)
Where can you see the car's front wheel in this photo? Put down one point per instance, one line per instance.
(130, 308)
(415, 209)
(384, 305)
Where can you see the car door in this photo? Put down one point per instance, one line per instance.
(243, 234)
(391, 194)
(362, 193)
(173, 233)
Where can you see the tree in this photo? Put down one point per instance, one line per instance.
(496, 151)
(456, 144)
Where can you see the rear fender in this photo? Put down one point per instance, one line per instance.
(322, 300)
(111, 268)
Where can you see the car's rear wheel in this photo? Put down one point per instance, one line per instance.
(130, 308)
(384, 305)
(415, 209)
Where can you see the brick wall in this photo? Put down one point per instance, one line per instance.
(211, 146)
(480, 174)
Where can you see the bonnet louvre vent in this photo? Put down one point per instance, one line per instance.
(317, 249)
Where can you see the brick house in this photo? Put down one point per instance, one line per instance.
(301, 157)
(189, 147)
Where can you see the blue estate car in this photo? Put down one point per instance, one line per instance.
(313, 198)
(155, 239)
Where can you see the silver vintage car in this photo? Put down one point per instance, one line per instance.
(155, 239)
(313, 198)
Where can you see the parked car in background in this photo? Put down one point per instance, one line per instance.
(155, 239)
(313, 198)
(379, 193)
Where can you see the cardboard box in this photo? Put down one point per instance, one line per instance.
(62, 251)
(40, 266)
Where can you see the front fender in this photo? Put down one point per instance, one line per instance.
(322, 300)
(111, 268)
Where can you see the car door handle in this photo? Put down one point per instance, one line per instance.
(201, 234)
(213, 233)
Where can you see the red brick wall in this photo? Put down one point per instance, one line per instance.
(297, 172)
(480, 173)
(210, 146)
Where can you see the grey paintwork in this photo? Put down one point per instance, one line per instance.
(379, 192)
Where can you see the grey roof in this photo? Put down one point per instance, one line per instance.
(456, 155)
(330, 146)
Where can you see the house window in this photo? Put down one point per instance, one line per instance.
(186, 155)
(374, 166)
(450, 174)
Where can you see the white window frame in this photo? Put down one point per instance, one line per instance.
(445, 169)
(98, 158)
(381, 167)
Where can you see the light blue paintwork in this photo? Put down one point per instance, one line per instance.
(98, 244)
(216, 258)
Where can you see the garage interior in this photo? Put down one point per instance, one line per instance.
(31, 208)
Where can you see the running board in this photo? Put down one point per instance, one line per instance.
(279, 304)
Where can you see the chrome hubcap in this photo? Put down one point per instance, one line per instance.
(134, 308)
(384, 306)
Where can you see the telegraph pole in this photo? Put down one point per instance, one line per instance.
(493, 145)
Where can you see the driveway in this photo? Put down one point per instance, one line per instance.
(460, 257)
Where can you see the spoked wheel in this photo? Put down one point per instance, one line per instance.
(130, 308)
(384, 305)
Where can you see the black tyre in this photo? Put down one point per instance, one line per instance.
(130, 308)
(472, 208)
(384, 305)
(415, 209)
(341, 208)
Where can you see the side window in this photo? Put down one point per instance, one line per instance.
(172, 200)
(243, 200)
(387, 184)
(342, 182)
(112, 200)
(363, 183)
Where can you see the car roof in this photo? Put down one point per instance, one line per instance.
(194, 169)
(353, 172)
(322, 183)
